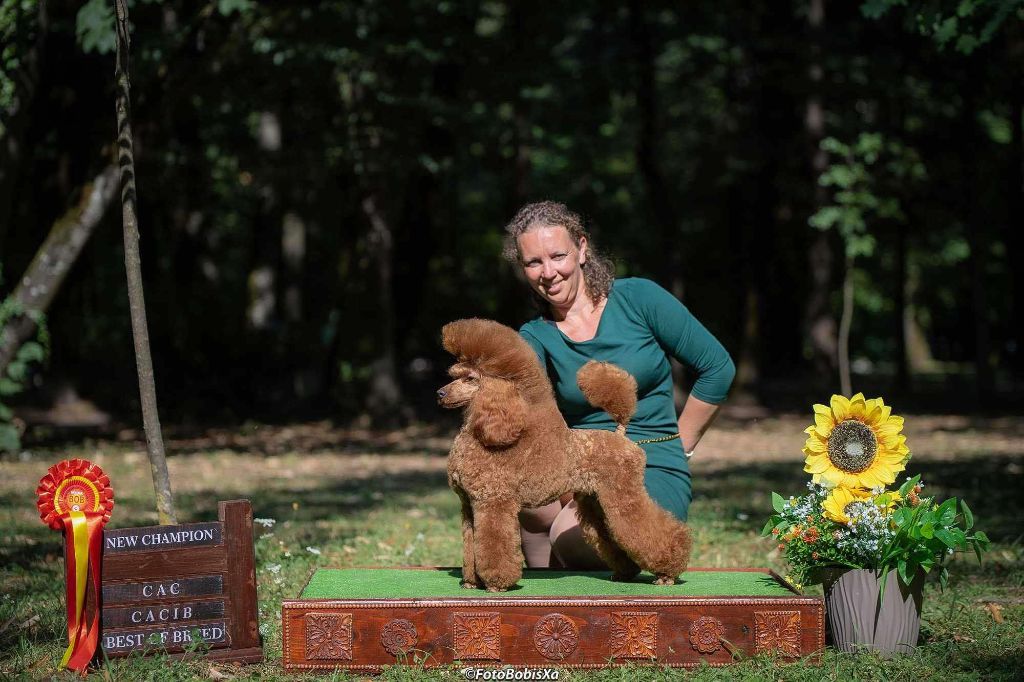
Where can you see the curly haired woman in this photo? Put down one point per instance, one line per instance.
(589, 315)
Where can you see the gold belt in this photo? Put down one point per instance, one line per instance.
(657, 440)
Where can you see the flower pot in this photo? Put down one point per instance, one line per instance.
(859, 619)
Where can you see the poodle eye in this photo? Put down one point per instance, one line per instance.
(470, 378)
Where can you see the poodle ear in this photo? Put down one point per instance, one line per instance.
(497, 414)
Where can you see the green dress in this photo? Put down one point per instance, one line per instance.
(642, 324)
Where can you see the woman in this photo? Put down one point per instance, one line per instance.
(632, 323)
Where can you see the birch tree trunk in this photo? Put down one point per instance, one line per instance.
(133, 266)
(45, 274)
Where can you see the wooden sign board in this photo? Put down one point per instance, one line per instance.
(169, 588)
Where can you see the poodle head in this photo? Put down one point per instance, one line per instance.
(496, 376)
(497, 351)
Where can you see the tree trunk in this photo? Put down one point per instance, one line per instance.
(133, 266)
(385, 394)
(658, 192)
(845, 384)
(1015, 217)
(819, 323)
(45, 274)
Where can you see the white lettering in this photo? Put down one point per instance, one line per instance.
(147, 590)
(175, 588)
(136, 616)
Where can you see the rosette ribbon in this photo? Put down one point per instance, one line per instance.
(75, 497)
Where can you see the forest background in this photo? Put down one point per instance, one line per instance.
(322, 185)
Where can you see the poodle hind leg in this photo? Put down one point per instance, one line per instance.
(651, 536)
(595, 532)
(496, 543)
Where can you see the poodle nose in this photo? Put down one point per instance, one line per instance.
(440, 393)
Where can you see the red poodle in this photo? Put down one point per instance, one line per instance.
(515, 451)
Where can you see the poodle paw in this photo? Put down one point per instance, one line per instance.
(497, 589)
(665, 580)
(469, 585)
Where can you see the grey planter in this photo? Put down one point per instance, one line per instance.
(858, 621)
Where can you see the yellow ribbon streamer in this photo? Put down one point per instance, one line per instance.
(80, 536)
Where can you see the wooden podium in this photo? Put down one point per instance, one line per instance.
(630, 623)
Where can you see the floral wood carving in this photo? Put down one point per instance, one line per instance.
(777, 630)
(398, 637)
(634, 635)
(329, 635)
(555, 636)
(706, 634)
(477, 635)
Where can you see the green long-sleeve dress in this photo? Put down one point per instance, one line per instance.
(641, 326)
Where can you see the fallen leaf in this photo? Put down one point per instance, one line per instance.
(996, 610)
(962, 638)
(215, 674)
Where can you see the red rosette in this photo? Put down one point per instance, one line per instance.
(73, 485)
(75, 497)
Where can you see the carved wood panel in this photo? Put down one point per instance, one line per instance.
(777, 630)
(477, 636)
(706, 634)
(329, 635)
(555, 636)
(633, 635)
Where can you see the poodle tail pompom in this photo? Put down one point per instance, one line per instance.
(612, 389)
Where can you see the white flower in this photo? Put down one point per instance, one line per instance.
(313, 550)
(273, 568)
(266, 523)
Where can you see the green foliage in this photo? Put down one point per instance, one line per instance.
(868, 178)
(18, 27)
(886, 532)
(94, 27)
(967, 24)
(14, 379)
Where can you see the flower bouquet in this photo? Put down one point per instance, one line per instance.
(860, 538)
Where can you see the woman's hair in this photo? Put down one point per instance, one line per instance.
(598, 270)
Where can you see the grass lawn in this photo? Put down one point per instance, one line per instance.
(342, 498)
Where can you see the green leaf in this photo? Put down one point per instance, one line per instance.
(968, 516)
(778, 504)
(928, 530)
(31, 351)
(947, 512)
(767, 530)
(943, 577)
(9, 441)
(901, 567)
(94, 26)
(947, 538)
(909, 485)
(226, 7)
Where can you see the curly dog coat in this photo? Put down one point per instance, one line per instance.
(515, 451)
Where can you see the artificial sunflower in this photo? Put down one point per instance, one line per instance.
(835, 504)
(855, 443)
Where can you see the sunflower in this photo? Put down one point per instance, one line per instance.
(835, 504)
(855, 443)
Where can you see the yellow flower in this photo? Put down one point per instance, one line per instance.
(855, 443)
(835, 504)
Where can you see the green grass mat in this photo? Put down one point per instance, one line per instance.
(391, 583)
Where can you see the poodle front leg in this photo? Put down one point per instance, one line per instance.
(469, 577)
(498, 551)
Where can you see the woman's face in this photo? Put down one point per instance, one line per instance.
(552, 263)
